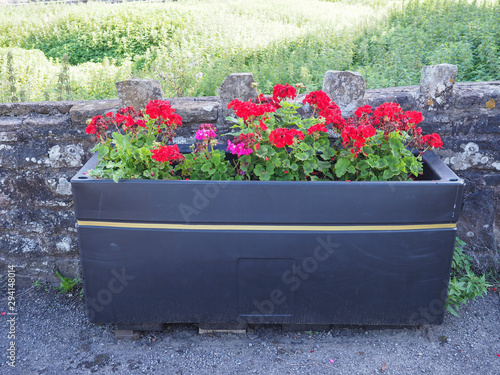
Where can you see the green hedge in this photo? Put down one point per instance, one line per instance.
(191, 46)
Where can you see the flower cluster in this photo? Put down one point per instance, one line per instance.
(98, 126)
(206, 133)
(166, 120)
(128, 118)
(136, 147)
(317, 99)
(317, 128)
(354, 138)
(162, 110)
(273, 142)
(282, 137)
(166, 154)
(432, 140)
(325, 108)
(243, 144)
(249, 109)
(281, 92)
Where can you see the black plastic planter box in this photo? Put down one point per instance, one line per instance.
(232, 253)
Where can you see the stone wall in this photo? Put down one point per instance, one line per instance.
(43, 144)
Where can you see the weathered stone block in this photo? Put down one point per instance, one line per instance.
(467, 97)
(492, 179)
(237, 86)
(196, 111)
(473, 179)
(488, 125)
(477, 220)
(69, 268)
(17, 244)
(138, 92)
(462, 127)
(33, 189)
(81, 113)
(8, 137)
(22, 154)
(44, 221)
(57, 121)
(346, 89)
(6, 109)
(436, 82)
(10, 122)
(463, 154)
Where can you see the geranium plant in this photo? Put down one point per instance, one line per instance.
(270, 141)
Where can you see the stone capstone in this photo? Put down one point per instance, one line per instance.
(138, 92)
(82, 113)
(346, 89)
(436, 83)
(235, 86)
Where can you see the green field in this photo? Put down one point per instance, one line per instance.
(191, 46)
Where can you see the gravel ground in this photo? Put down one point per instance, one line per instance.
(53, 337)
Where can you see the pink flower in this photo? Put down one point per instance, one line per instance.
(206, 132)
(243, 144)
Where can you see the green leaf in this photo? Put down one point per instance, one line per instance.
(341, 166)
(323, 165)
(269, 167)
(388, 174)
(117, 175)
(258, 170)
(206, 167)
(395, 143)
(308, 167)
(265, 176)
(301, 156)
(263, 151)
(275, 159)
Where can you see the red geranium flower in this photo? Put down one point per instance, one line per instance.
(281, 92)
(166, 154)
(98, 126)
(333, 115)
(432, 140)
(364, 110)
(317, 128)
(248, 109)
(387, 112)
(282, 137)
(413, 117)
(262, 125)
(163, 111)
(355, 137)
(317, 99)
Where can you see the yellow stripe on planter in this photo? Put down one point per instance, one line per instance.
(287, 228)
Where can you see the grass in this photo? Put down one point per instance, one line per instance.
(192, 45)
